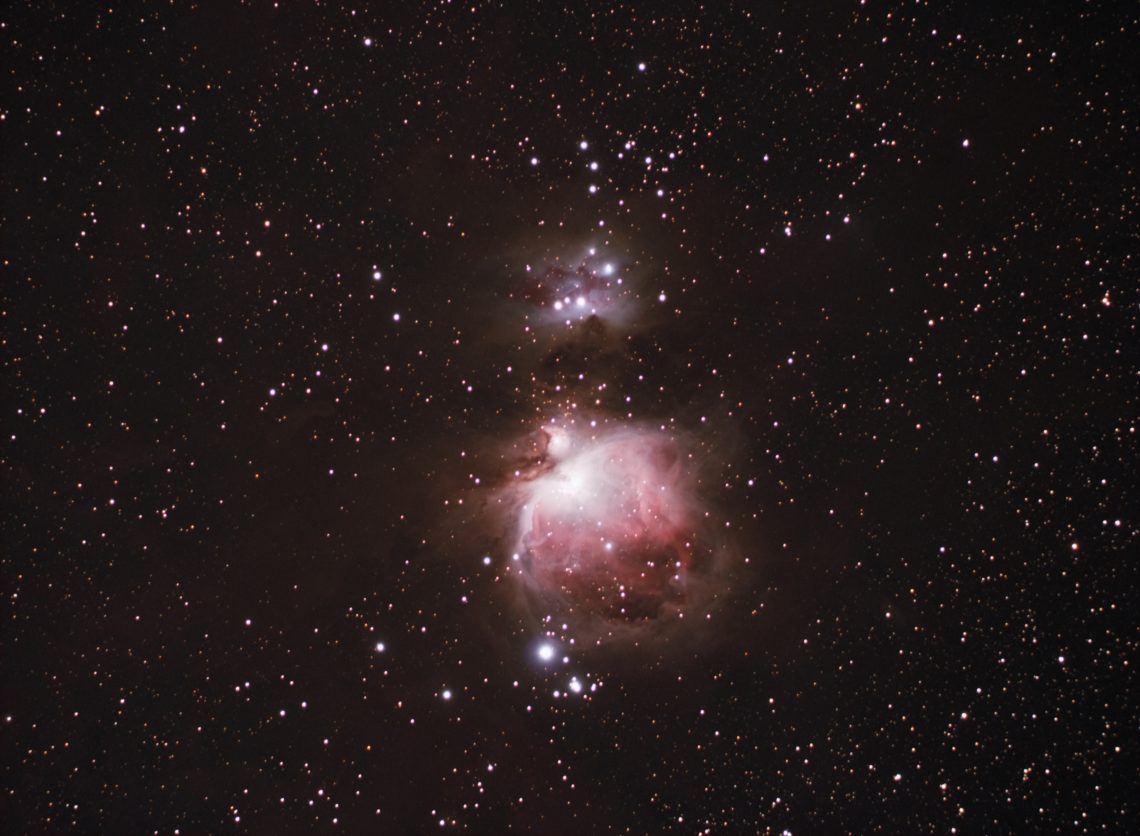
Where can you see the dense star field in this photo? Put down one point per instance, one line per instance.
(569, 418)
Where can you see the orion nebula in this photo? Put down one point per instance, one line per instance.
(610, 536)
(606, 526)
(602, 510)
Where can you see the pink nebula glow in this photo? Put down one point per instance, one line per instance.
(607, 521)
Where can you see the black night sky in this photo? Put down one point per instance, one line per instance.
(581, 418)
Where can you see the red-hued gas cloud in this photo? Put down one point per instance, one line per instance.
(607, 524)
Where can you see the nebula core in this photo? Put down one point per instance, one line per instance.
(607, 524)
